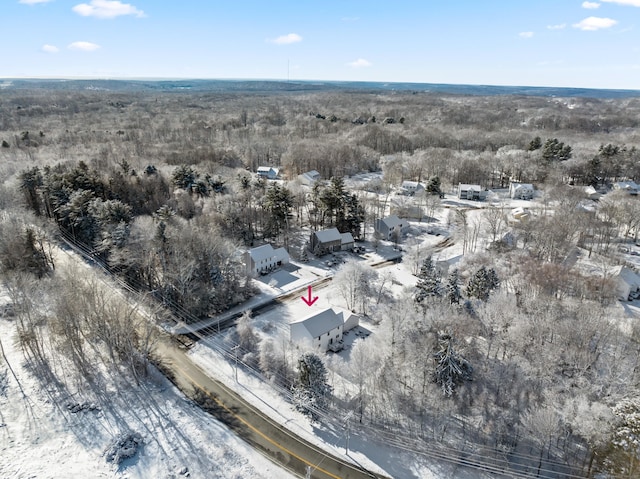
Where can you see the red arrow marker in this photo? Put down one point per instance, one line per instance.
(311, 300)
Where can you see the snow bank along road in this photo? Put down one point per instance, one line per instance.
(272, 439)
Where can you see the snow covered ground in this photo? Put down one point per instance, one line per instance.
(40, 436)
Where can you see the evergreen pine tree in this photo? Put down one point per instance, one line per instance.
(481, 283)
(312, 389)
(429, 282)
(451, 368)
(453, 287)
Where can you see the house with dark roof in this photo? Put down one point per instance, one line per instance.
(329, 241)
(264, 259)
(324, 329)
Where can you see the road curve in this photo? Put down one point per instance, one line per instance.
(272, 439)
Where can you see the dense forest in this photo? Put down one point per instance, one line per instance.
(160, 189)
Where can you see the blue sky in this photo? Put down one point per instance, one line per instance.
(507, 42)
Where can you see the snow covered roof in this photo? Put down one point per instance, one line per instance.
(322, 322)
(346, 238)
(392, 221)
(266, 251)
(628, 276)
(311, 176)
(466, 187)
(523, 186)
(264, 168)
(281, 254)
(412, 184)
(327, 236)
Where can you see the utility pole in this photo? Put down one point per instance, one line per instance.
(346, 420)
(235, 350)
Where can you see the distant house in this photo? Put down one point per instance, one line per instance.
(520, 214)
(263, 259)
(627, 283)
(592, 193)
(391, 227)
(471, 192)
(411, 187)
(324, 330)
(268, 172)
(309, 178)
(521, 191)
(629, 186)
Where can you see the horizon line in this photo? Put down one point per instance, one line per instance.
(280, 80)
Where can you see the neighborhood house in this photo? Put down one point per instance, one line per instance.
(329, 241)
(627, 283)
(264, 259)
(521, 191)
(309, 178)
(391, 228)
(324, 330)
(471, 192)
(411, 187)
(268, 172)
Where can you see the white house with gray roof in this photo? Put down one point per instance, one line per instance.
(471, 192)
(309, 178)
(324, 329)
(391, 227)
(264, 259)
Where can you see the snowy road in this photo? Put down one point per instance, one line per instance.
(284, 447)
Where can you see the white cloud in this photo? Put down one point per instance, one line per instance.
(83, 46)
(360, 63)
(33, 2)
(630, 3)
(50, 49)
(595, 23)
(556, 27)
(286, 39)
(591, 5)
(525, 34)
(106, 9)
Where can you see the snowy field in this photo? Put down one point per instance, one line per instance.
(41, 437)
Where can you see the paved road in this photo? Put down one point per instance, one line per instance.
(281, 445)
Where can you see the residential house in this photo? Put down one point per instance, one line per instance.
(309, 178)
(592, 193)
(268, 172)
(471, 192)
(629, 186)
(325, 241)
(627, 283)
(521, 191)
(346, 241)
(329, 241)
(520, 214)
(265, 258)
(391, 227)
(411, 188)
(325, 329)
